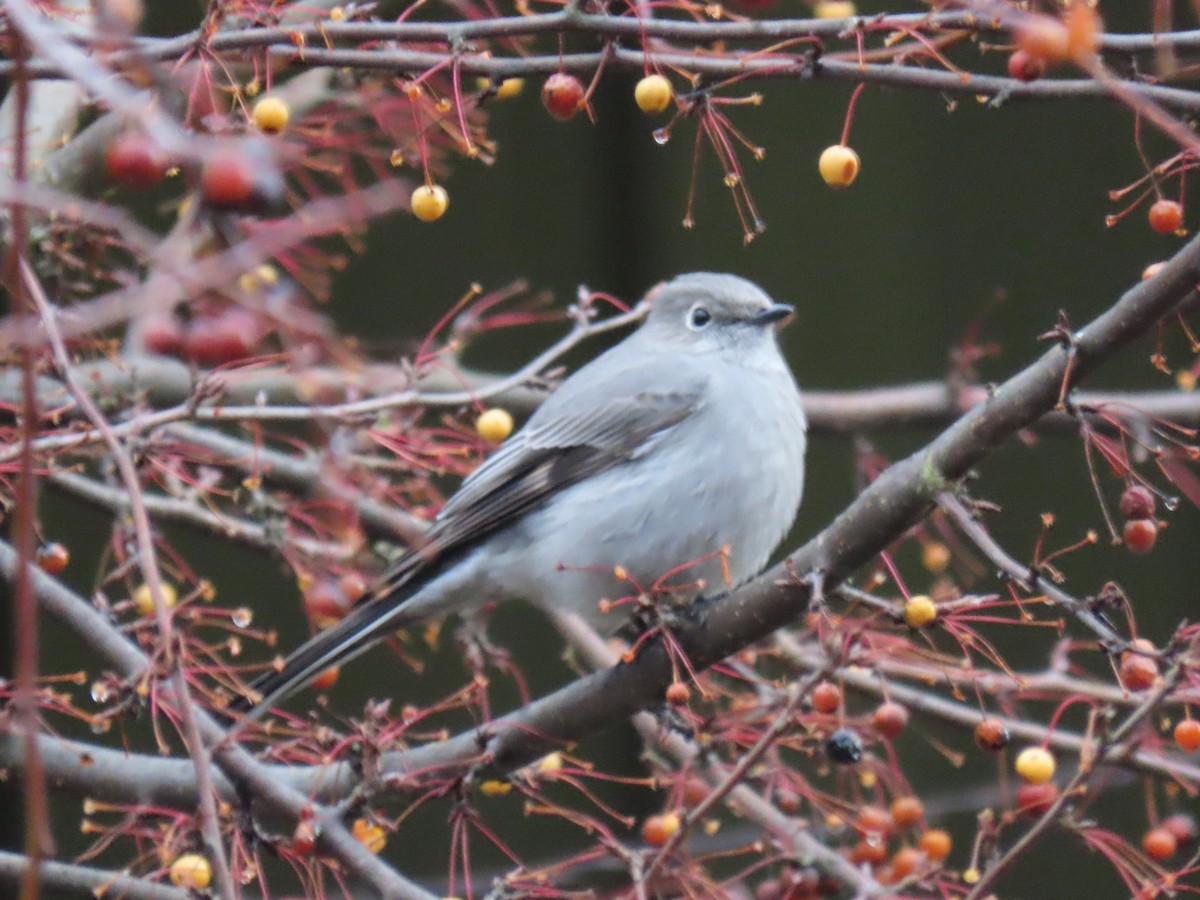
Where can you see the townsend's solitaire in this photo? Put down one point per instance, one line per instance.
(682, 446)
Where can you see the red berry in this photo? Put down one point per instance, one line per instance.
(162, 333)
(1025, 67)
(134, 160)
(231, 334)
(1137, 502)
(325, 603)
(1159, 843)
(241, 177)
(562, 95)
(991, 735)
(826, 697)
(53, 557)
(1034, 799)
(1166, 216)
(1137, 672)
(1140, 535)
(889, 719)
(326, 679)
(304, 838)
(1187, 735)
(657, 830)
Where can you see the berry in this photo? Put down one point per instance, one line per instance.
(1035, 765)
(133, 160)
(889, 719)
(369, 835)
(869, 851)
(905, 862)
(935, 557)
(429, 202)
(191, 872)
(936, 844)
(1183, 826)
(873, 820)
(907, 811)
(844, 747)
(326, 679)
(1025, 67)
(1044, 38)
(241, 176)
(919, 611)
(1137, 672)
(271, 115)
(1083, 30)
(834, 9)
(325, 603)
(657, 830)
(494, 425)
(231, 333)
(1137, 502)
(162, 333)
(1151, 270)
(1187, 735)
(304, 838)
(653, 94)
(1166, 216)
(1034, 799)
(143, 601)
(1159, 843)
(826, 697)
(562, 95)
(991, 735)
(839, 166)
(678, 693)
(509, 88)
(1140, 535)
(53, 557)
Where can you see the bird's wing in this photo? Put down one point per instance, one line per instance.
(557, 448)
(567, 440)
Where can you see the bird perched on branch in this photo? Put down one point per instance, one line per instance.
(674, 459)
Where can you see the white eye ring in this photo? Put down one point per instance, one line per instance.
(698, 317)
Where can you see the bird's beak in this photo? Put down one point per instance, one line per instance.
(776, 312)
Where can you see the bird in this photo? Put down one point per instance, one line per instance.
(674, 459)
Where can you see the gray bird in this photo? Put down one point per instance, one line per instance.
(682, 444)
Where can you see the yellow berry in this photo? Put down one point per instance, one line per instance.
(550, 763)
(1185, 380)
(271, 115)
(494, 788)
(191, 872)
(337, 14)
(494, 425)
(839, 166)
(1035, 765)
(144, 601)
(369, 835)
(835, 9)
(509, 88)
(919, 611)
(653, 94)
(430, 202)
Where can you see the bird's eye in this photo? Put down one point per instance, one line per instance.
(698, 318)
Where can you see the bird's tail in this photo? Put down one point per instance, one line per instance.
(367, 624)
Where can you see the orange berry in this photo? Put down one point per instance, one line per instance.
(935, 557)
(53, 557)
(1035, 764)
(1137, 672)
(991, 735)
(653, 94)
(905, 862)
(369, 835)
(429, 202)
(1151, 270)
(657, 830)
(907, 811)
(871, 851)
(326, 679)
(1159, 843)
(1166, 216)
(1140, 535)
(678, 693)
(889, 719)
(1187, 735)
(1044, 38)
(562, 95)
(936, 844)
(826, 697)
(839, 166)
(873, 820)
